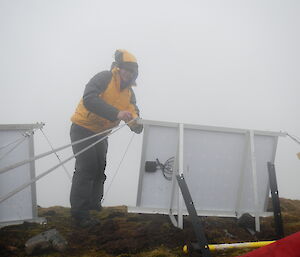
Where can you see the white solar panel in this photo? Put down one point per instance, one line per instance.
(225, 169)
(15, 146)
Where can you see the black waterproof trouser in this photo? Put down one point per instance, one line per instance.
(88, 179)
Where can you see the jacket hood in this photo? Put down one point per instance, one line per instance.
(122, 55)
(126, 60)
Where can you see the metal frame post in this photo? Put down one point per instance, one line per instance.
(242, 175)
(32, 176)
(178, 169)
(173, 190)
(254, 180)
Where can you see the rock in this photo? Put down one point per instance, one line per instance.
(50, 239)
(37, 244)
(248, 222)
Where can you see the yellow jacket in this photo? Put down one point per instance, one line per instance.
(102, 100)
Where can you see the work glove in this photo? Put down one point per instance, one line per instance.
(136, 128)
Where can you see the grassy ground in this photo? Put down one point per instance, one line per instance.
(124, 234)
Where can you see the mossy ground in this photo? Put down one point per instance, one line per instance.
(125, 234)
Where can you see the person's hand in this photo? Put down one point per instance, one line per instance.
(125, 116)
(137, 128)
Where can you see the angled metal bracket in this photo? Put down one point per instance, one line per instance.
(198, 228)
(275, 200)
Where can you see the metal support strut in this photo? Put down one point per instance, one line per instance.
(198, 228)
(275, 201)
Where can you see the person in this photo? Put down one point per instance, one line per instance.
(108, 99)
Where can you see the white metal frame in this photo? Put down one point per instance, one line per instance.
(254, 178)
(26, 127)
(178, 170)
(249, 152)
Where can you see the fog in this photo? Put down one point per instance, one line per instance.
(220, 63)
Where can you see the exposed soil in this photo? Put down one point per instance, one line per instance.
(125, 234)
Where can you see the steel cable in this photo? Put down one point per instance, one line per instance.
(13, 148)
(116, 172)
(7, 168)
(20, 188)
(64, 167)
